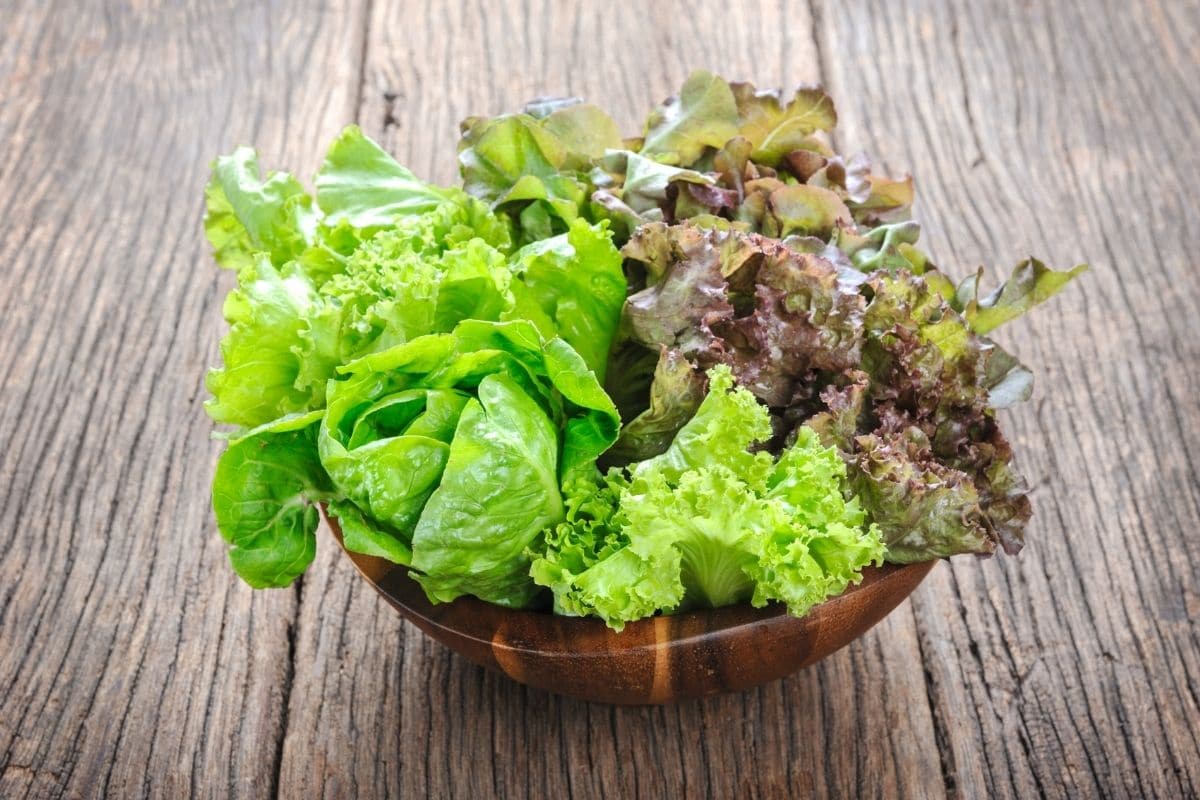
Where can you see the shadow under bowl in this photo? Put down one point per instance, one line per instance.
(656, 660)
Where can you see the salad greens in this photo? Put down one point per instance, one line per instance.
(375, 366)
(610, 376)
(884, 367)
(707, 523)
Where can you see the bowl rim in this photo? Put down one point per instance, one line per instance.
(387, 577)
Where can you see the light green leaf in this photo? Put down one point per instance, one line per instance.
(775, 129)
(709, 524)
(807, 211)
(577, 282)
(704, 114)
(270, 314)
(363, 185)
(248, 215)
(1030, 283)
(646, 180)
(362, 535)
(499, 491)
(584, 129)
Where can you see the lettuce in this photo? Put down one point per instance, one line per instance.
(456, 445)
(718, 152)
(888, 366)
(350, 314)
(247, 215)
(446, 370)
(361, 184)
(264, 493)
(709, 523)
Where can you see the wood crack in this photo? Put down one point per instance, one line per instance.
(288, 686)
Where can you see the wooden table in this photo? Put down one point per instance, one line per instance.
(133, 663)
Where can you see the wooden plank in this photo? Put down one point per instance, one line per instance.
(131, 662)
(376, 708)
(1061, 129)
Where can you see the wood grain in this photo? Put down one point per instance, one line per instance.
(133, 664)
(1076, 667)
(129, 663)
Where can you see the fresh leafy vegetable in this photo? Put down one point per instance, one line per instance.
(456, 445)
(708, 523)
(396, 319)
(782, 386)
(362, 185)
(717, 151)
(913, 384)
(264, 491)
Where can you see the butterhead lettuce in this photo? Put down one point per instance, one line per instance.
(455, 447)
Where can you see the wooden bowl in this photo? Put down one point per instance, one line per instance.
(652, 661)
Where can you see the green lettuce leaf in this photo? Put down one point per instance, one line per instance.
(643, 182)
(455, 445)
(246, 214)
(775, 129)
(585, 130)
(515, 161)
(363, 185)
(728, 422)
(704, 114)
(1030, 283)
(361, 534)
(676, 391)
(270, 314)
(709, 523)
(264, 493)
(720, 153)
(500, 490)
(575, 282)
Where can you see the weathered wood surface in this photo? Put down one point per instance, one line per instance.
(133, 664)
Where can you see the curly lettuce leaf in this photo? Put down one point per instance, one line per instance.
(247, 214)
(589, 567)
(769, 313)
(271, 315)
(709, 523)
(926, 508)
(723, 429)
(871, 361)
